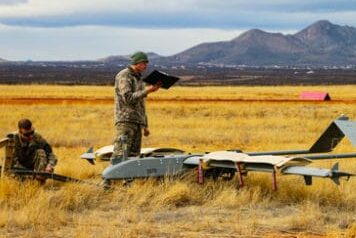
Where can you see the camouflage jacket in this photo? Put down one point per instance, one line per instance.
(130, 96)
(24, 152)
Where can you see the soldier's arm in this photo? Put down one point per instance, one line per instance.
(124, 88)
(52, 159)
(16, 153)
(15, 162)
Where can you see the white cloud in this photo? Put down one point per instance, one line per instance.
(38, 8)
(12, 2)
(92, 42)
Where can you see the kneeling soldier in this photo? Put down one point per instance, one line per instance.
(32, 151)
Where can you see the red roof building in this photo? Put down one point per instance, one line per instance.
(315, 96)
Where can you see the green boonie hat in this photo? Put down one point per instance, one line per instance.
(139, 57)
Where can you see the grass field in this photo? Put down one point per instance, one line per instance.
(215, 118)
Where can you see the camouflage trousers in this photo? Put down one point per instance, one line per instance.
(39, 161)
(133, 131)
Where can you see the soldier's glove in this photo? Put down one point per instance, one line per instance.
(49, 169)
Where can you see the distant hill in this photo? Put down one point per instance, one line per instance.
(3, 60)
(125, 59)
(319, 44)
(115, 58)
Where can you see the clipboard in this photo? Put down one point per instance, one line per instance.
(155, 76)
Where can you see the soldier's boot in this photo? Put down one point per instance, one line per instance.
(41, 161)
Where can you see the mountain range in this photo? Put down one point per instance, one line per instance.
(322, 53)
(321, 43)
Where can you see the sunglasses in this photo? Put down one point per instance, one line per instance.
(28, 134)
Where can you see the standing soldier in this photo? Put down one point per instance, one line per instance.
(32, 151)
(130, 112)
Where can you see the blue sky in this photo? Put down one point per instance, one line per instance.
(92, 29)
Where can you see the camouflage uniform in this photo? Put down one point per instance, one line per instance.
(130, 112)
(35, 154)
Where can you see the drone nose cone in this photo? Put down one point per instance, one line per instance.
(109, 173)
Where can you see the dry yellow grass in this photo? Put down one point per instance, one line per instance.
(211, 92)
(180, 208)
